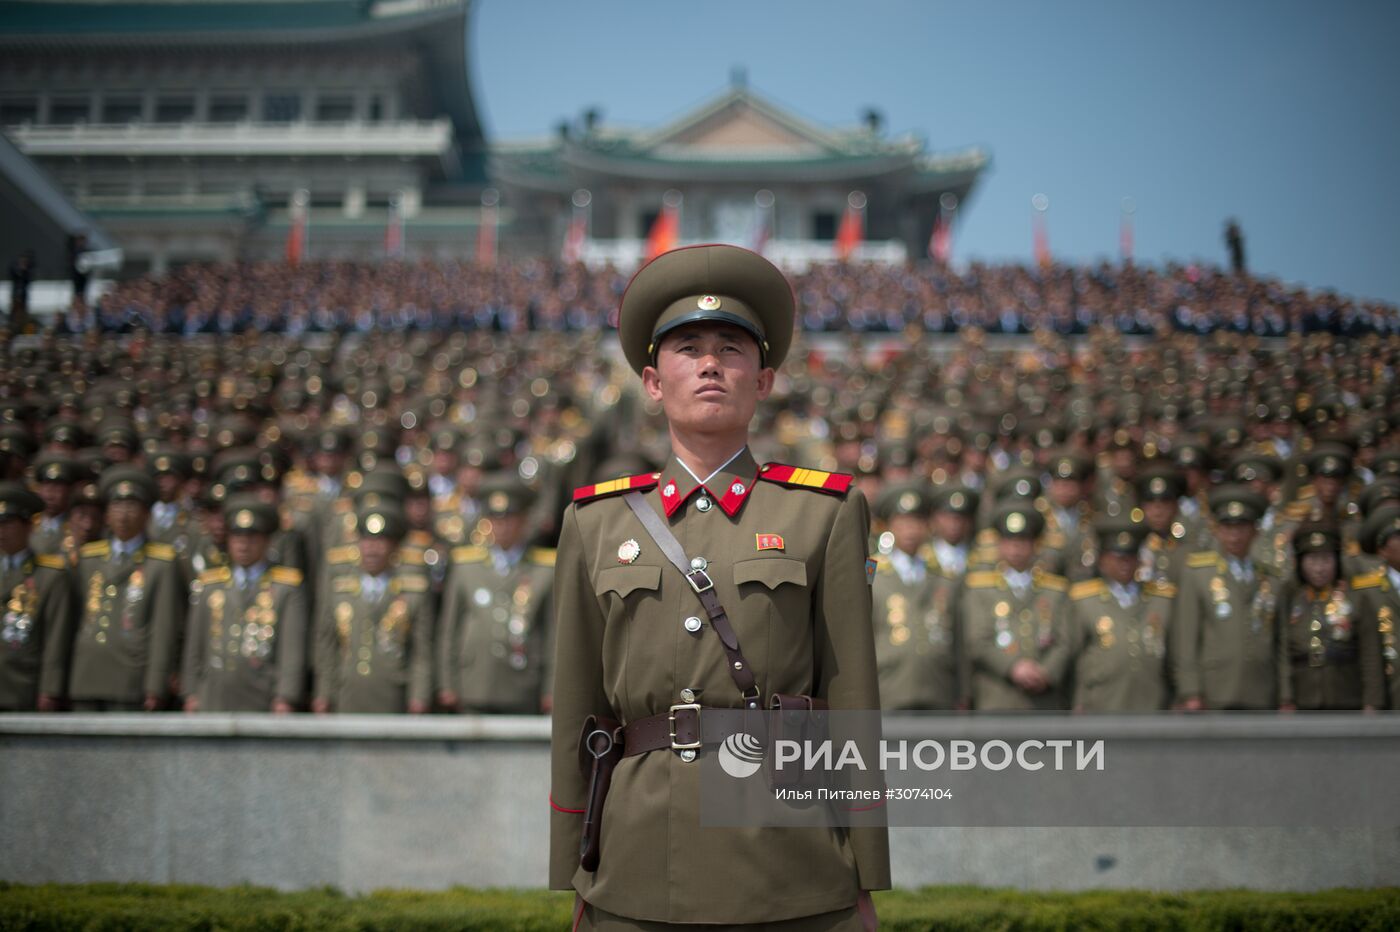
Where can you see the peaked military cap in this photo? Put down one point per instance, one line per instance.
(1237, 503)
(385, 519)
(1120, 535)
(714, 283)
(505, 494)
(18, 502)
(1018, 519)
(56, 467)
(904, 498)
(1330, 460)
(1158, 484)
(958, 499)
(1383, 524)
(248, 514)
(128, 483)
(1316, 537)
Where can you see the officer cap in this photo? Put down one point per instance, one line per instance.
(385, 519)
(1120, 535)
(1387, 463)
(88, 492)
(66, 432)
(1256, 467)
(128, 483)
(1383, 524)
(1330, 460)
(1316, 537)
(1018, 519)
(1191, 455)
(214, 496)
(1019, 482)
(170, 463)
(505, 494)
(118, 434)
(417, 478)
(381, 484)
(958, 499)
(15, 441)
(1384, 489)
(715, 282)
(18, 502)
(56, 467)
(241, 468)
(1070, 464)
(1158, 483)
(1237, 504)
(332, 440)
(904, 498)
(248, 514)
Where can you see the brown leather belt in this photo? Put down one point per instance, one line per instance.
(686, 726)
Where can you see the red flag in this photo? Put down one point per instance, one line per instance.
(852, 229)
(940, 243)
(665, 230)
(1041, 239)
(296, 236)
(1125, 237)
(486, 236)
(393, 233)
(574, 238)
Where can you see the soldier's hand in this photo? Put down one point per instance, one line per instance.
(191, 703)
(865, 907)
(447, 699)
(546, 704)
(1192, 704)
(281, 707)
(48, 704)
(321, 706)
(151, 703)
(1026, 674)
(417, 707)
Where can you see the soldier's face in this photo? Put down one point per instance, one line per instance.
(418, 509)
(169, 485)
(55, 496)
(708, 378)
(1118, 567)
(375, 553)
(910, 532)
(507, 530)
(1328, 488)
(86, 522)
(1017, 552)
(126, 518)
(952, 526)
(1066, 492)
(14, 534)
(1319, 569)
(1390, 551)
(1159, 513)
(214, 526)
(1235, 537)
(247, 549)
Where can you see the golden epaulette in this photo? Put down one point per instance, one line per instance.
(286, 575)
(983, 579)
(1087, 589)
(346, 584)
(1297, 511)
(412, 556)
(346, 553)
(1052, 582)
(469, 554)
(418, 539)
(541, 556)
(50, 561)
(836, 483)
(1055, 540)
(98, 548)
(216, 575)
(987, 537)
(591, 493)
(1202, 558)
(163, 552)
(1351, 548)
(414, 582)
(1164, 589)
(1370, 580)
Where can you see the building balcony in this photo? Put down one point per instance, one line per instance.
(402, 139)
(791, 254)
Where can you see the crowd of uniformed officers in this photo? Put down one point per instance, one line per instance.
(367, 528)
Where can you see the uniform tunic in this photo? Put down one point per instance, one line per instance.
(789, 564)
(1120, 652)
(131, 609)
(37, 601)
(1001, 627)
(917, 641)
(1378, 609)
(1223, 634)
(1319, 648)
(375, 655)
(246, 646)
(495, 629)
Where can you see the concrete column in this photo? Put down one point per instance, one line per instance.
(354, 204)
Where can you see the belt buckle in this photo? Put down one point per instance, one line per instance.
(690, 578)
(671, 723)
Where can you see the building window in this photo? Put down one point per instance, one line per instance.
(174, 109)
(335, 108)
(824, 225)
(16, 111)
(281, 107)
(649, 221)
(65, 111)
(376, 108)
(121, 110)
(228, 108)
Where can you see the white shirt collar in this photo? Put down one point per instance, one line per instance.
(16, 560)
(1018, 579)
(1394, 575)
(124, 548)
(705, 481)
(1126, 595)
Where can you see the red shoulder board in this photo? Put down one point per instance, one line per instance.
(837, 483)
(640, 483)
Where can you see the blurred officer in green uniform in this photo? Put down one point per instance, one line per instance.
(779, 552)
(1120, 628)
(125, 651)
(916, 634)
(245, 649)
(1015, 621)
(38, 603)
(87, 520)
(374, 634)
(1171, 536)
(497, 612)
(1223, 653)
(171, 519)
(1069, 517)
(1319, 645)
(1377, 593)
(55, 477)
(1114, 493)
(954, 510)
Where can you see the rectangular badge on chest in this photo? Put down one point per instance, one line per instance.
(769, 541)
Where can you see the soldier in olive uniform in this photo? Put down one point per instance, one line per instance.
(954, 510)
(1069, 533)
(1171, 536)
(55, 476)
(496, 611)
(1319, 646)
(172, 521)
(1377, 594)
(124, 651)
(1223, 654)
(374, 632)
(1120, 628)
(245, 649)
(86, 522)
(784, 551)
(917, 643)
(38, 603)
(1114, 494)
(1015, 621)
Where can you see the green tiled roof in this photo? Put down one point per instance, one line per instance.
(59, 19)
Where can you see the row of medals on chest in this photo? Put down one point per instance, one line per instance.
(98, 612)
(388, 636)
(19, 614)
(514, 621)
(250, 635)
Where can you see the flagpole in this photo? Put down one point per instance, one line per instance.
(486, 234)
(1039, 233)
(763, 203)
(941, 241)
(1127, 207)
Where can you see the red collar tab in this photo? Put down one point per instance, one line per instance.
(731, 498)
(836, 483)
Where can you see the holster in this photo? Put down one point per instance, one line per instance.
(599, 750)
(794, 721)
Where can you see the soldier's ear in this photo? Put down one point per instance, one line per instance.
(765, 382)
(651, 383)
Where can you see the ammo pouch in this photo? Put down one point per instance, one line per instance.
(599, 750)
(793, 718)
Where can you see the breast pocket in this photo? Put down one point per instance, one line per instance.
(618, 586)
(777, 585)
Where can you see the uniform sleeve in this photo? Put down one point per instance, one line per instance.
(445, 637)
(546, 616)
(1282, 662)
(60, 621)
(1059, 659)
(420, 673)
(291, 647)
(1186, 637)
(578, 693)
(844, 647)
(1078, 632)
(167, 617)
(326, 660)
(1368, 644)
(962, 660)
(196, 630)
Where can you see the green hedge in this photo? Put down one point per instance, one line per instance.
(148, 908)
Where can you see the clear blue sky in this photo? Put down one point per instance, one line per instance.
(1282, 113)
